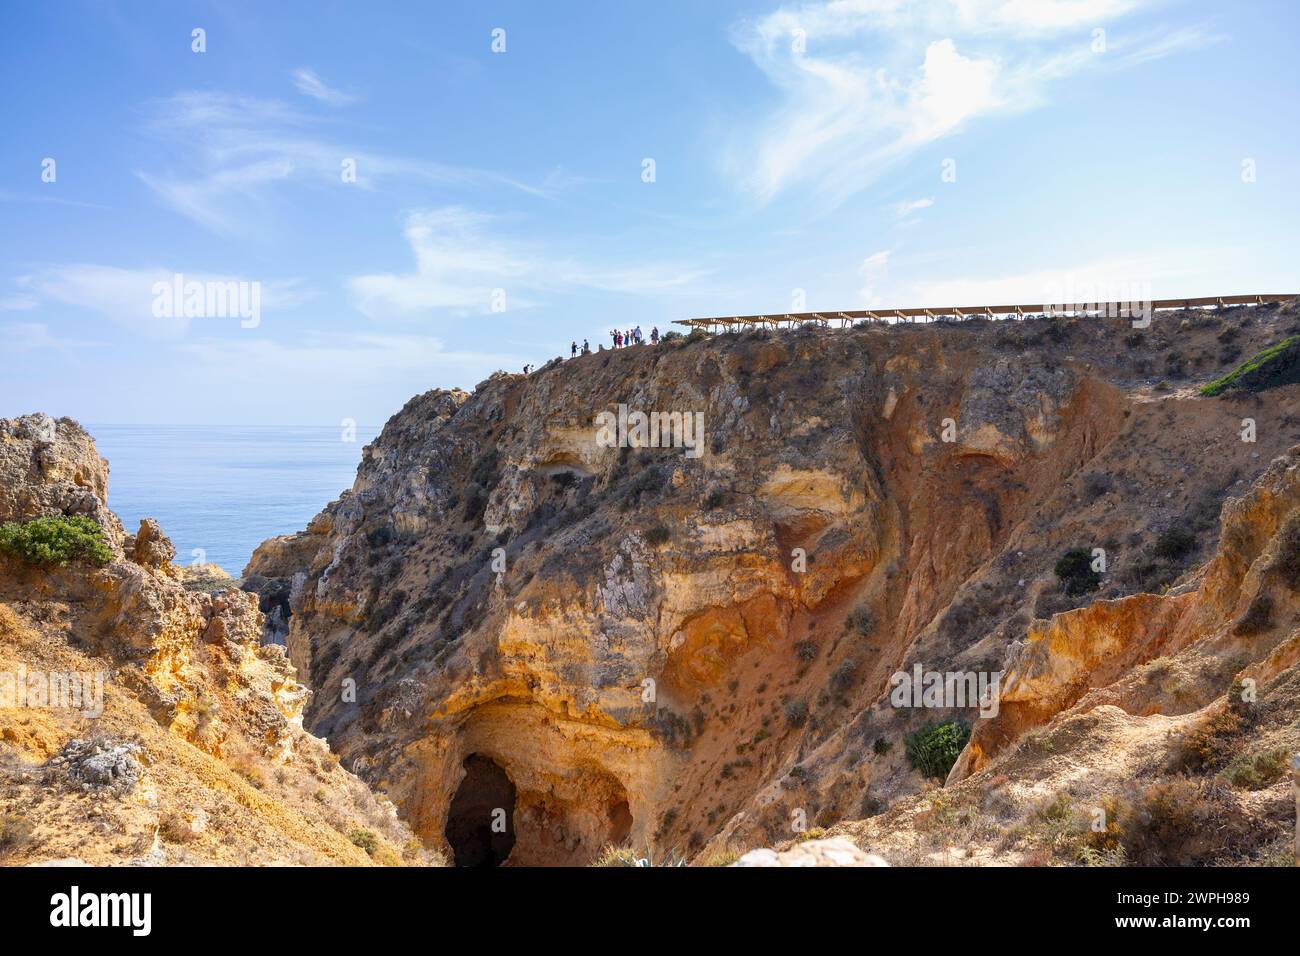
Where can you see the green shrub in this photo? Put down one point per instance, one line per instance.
(1095, 485)
(366, 840)
(861, 620)
(1074, 568)
(843, 676)
(806, 650)
(1258, 771)
(1179, 822)
(484, 470)
(1174, 544)
(881, 747)
(55, 540)
(796, 712)
(934, 748)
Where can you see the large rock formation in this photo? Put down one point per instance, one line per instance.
(49, 468)
(142, 721)
(691, 647)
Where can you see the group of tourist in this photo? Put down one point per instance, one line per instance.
(621, 338)
(632, 336)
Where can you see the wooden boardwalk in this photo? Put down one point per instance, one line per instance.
(957, 313)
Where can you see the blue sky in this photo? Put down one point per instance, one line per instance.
(798, 150)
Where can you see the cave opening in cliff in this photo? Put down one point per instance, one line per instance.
(481, 818)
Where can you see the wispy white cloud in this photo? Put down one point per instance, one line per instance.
(1096, 280)
(126, 297)
(309, 84)
(232, 153)
(904, 209)
(19, 302)
(47, 196)
(33, 336)
(320, 367)
(1037, 17)
(863, 84)
(460, 266)
(874, 270)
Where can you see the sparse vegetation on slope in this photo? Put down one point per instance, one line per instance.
(1276, 365)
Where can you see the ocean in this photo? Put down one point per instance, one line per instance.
(223, 490)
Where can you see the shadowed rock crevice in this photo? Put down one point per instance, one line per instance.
(480, 822)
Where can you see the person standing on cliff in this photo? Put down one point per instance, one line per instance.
(573, 350)
(654, 335)
(586, 349)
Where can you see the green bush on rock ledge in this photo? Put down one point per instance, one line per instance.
(59, 540)
(934, 749)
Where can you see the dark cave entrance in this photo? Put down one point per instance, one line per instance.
(481, 818)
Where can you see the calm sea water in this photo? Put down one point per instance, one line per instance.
(225, 489)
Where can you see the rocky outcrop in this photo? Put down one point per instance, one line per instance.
(50, 468)
(149, 546)
(658, 647)
(181, 712)
(1245, 605)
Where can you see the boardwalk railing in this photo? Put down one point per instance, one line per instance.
(951, 313)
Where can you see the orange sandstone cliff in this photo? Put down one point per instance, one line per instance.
(690, 649)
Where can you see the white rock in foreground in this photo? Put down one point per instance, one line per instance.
(837, 851)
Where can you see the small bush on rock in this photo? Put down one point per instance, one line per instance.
(934, 749)
(1075, 572)
(55, 540)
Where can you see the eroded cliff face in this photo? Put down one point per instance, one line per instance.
(692, 647)
(184, 740)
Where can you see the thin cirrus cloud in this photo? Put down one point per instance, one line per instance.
(125, 297)
(33, 336)
(904, 209)
(309, 84)
(462, 269)
(863, 84)
(874, 270)
(231, 154)
(321, 369)
(1111, 279)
